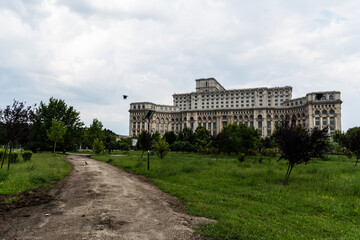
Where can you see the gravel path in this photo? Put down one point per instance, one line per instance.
(99, 201)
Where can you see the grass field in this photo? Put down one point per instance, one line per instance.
(42, 169)
(248, 199)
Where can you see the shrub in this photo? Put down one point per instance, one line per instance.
(13, 157)
(26, 155)
(2, 152)
(241, 157)
(251, 152)
(98, 146)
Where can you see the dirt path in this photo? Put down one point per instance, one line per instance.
(99, 201)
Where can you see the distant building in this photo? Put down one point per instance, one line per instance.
(212, 106)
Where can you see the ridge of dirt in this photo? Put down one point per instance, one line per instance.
(97, 201)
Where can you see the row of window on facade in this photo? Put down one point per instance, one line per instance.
(237, 94)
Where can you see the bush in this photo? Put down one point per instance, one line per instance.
(251, 152)
(2, 152)
(268, 152)
(26, 155)
(13, 157)
(98, 146)
(241, 157)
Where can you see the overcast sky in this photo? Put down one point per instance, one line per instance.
(90, 53)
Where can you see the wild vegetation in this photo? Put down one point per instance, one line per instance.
(39, 170)
(248, 199)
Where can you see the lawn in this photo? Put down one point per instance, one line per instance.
(248, 199)
(42, 169)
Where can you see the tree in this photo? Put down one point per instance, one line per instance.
(297, 144)
(144, 139)
(235, 138)
(170, 137)
(110, 139)
(58, 110)
(15, 121)
(56, 132)
(161, 147)
(94, 131)
(98, 146)
(352, 142)
(202, 139)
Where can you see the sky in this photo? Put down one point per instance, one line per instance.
(91, 53)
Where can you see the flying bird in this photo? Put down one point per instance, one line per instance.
(125, 97)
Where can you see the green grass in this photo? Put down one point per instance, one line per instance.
(248, 199)
(42, 169)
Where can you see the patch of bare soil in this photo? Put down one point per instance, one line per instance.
(97, 201)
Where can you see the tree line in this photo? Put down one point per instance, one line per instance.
(52, 126)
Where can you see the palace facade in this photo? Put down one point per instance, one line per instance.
(213, 107)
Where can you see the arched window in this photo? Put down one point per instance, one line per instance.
(240, 117)
(317, 112)
(199, 118)
(276, 117)
(268, 117)
(235, 117)
(246, 117)
(332, 112)
(259, 117)
(251, 116)
(324, 112)
(191, 119)
(204, 118)
(281, 116)
(331, 97)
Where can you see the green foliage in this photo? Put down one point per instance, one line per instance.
(268, 152)
(183, 146)
(26, 155)
(352, 142)
(98, 146)
(56, 110)
(13, 157)
(2, 153)
(94, 131)
(235, 138)
(56, 132)
(248, 201)
(3, 176)
(241, 157)
(161, 147)
(144, 140)
(170, 137)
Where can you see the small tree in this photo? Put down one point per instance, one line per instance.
(57, 132)
(161, 147)
(144, 139)
(15, 120)
(98, 146)
(297, 145)
(352, 143)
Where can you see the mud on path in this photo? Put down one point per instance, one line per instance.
(100, 201)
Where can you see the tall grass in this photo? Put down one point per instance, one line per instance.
(42, 169)
(248, 199)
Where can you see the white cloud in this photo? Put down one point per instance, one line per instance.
(90, 53)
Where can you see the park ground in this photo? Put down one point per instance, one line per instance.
(246, 199)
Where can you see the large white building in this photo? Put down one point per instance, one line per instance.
(212, 106)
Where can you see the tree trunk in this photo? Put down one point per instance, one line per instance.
(54, 146)
(3, 158)
(142, 153)
(357, 160)
(9, 158)
(286, 181)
